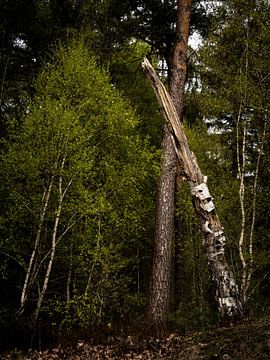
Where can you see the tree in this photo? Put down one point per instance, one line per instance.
(227, 294)
(28, 30)
(237, 104)
(160, 285)
(126, 75)
(165, 27)
(81, 176)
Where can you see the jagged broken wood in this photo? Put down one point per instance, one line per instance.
(227, 293)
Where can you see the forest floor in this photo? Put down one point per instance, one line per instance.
(241, 342)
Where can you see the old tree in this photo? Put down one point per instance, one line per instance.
(227, 293)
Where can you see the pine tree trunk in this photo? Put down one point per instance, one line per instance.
(178, 57)
(227, 293)
(160, 282)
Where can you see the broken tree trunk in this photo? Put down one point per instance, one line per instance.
(227, 293)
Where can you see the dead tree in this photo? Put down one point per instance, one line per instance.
(227, 293)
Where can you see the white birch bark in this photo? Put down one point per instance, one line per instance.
(227, 293)
(54, 240)
(245, 244)
(241, 166)
(45, 201)
(254, 201)
(36, 270)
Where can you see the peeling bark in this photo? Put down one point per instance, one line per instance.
(227, 293)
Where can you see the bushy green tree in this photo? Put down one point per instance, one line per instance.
(77, 188)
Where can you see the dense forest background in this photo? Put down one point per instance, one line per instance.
(80, 156)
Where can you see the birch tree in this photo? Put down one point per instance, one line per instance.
(80, 178)
(227, 293)
(240, 110)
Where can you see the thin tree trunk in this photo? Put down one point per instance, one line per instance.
(254, 201)
(54, 241)
(45, 200)
(70, 272)
(242, 173)
(49, 267)
(227, 293)
(37, 269)
(241, 165)
(160, 281)
(31, 270)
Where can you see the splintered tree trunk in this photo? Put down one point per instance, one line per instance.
(227, 293)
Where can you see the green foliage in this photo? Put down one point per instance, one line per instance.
(150, 21)
(234, 96)
(128, 77)
(79, 133)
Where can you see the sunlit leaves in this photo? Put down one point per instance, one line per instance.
(80, 134)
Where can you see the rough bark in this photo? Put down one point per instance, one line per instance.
(160, 282)
(177, 76)
(178, 56)
(227, 293)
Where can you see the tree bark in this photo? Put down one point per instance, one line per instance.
(62, 195)
(178, 56)
(45, 201)
(227, 293)
(160, 281)
(53, 249)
